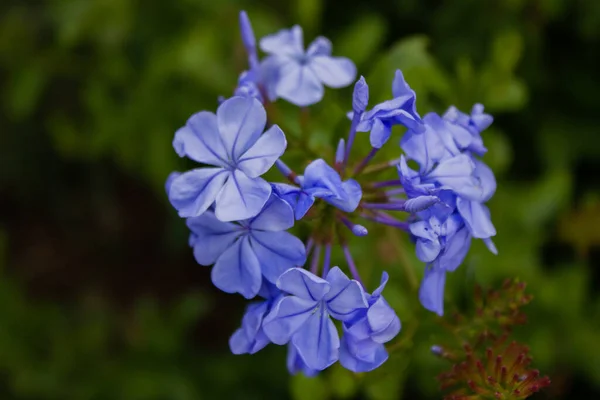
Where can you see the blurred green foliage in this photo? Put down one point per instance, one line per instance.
(91, 93)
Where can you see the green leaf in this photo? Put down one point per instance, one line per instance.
(361, 40)
(304, 388)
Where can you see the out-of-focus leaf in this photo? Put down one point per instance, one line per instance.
(580, 227)
(304, 388)
(361, 40)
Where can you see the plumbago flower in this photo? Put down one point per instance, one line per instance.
(232, 141)
(240, 223)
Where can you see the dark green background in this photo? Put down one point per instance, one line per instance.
(99, 295)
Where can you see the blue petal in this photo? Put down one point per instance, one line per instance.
(455, 251)
(238, 270)
(477, 218)
(306, 285)
(354, 364)
(270, 74)
(295, 363)
(299, 84)
(425, 148)
(346, 296)
(383, 321)
(263, 154)
(335, 72)
(489, 243)
(170, 180)
(321, 46)
(422, 229)
(380, 133)
(318, 174)
(194, 191)
(305, 202)
(455, 174)
(242, 197)
(354, 194)
(241, 121)
(428, 250)
(317, 341)
(287, 316)
(363, 350)
(400, 88)
(250, 338)
(431, 292)
(212, 237)
(384, 280)
(200, 140)
(286, 42)
(277, 252)
(277, 215)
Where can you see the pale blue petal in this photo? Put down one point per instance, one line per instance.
(335, 72)
(299, 85)
(455, 251)
(321, 46)
(194, 191)
(212, 237)
(358, 328)
(238, 270)
(317, 341)
(431, 292)
(286, 317)
(277, 252)
(170, 180)
(400, 88)
(277, 215)
(354, 194)
(242, 197)
(384, 322)
(319, 175)
(200, 140)
(422, 229)
(363, 350)
(425, 148)
(263, 154)
(489, 243)
(380, 133)
(299, 282)
(477, 218)
(270, 74)
(286, 42)
(455, 174)
(241, 121)
(354, 364)
(305, 202)
(295, 363)
(346, 296)
(384, 280)
(427, 250)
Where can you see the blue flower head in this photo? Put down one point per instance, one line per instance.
(401, 110)
(362, 348)
(304, 316)
(233, 143)
(244, 252)
(297, 75)
(475, 123)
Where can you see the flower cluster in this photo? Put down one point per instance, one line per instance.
(240, 222)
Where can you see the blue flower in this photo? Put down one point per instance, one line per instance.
(303, 317)
(320, 181)
(444, 243)
(400, 110)
(362, 348)
(298, 76)
(474, 123)
(232, 141)
(245, 252)
(250, 338)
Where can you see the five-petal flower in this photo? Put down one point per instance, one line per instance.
(297, 75)
(303, 317)
(243, 253)
(232, 141)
